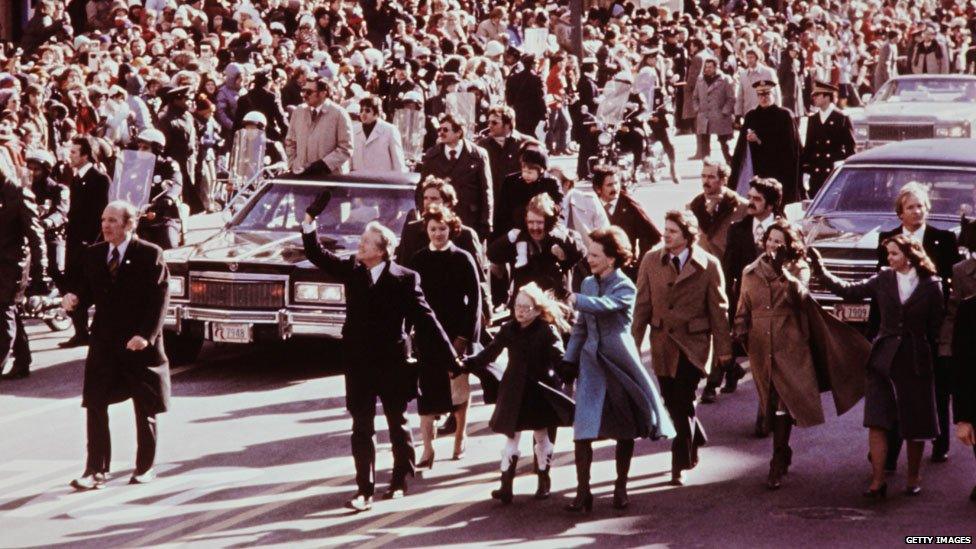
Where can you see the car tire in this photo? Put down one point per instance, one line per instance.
(182, 348)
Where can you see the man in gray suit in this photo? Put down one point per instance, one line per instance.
(887, 65)
(746, 98)
(319, 140)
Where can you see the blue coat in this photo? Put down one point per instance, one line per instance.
(615, 397)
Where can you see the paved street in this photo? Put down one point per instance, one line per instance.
(255, 452)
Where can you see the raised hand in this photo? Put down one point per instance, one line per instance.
(318, 205)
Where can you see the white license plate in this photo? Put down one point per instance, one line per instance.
(231, 333)
(852, 312)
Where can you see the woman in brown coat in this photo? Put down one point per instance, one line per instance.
(773, 287)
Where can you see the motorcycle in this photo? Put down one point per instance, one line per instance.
(46, 307)
(615, 115)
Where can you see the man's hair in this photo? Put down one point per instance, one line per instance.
(130, 214)
(388, 239)
(686, 222)
(600, 174)
(453, 121)
(446, 190)
(615, 243)
(320, 82)
(371, 102)
(542, 204)
(770, 189)
(912, 189)
(506, 113)
(84, 146)
(721, 168)
(711, 61)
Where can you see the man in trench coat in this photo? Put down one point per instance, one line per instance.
(714, 102)
(681, 296)
(126, 358)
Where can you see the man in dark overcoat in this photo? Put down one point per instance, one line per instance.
(912, 206)
(830, 137)
(382, 298)
(768, 146)
(525, 92)
(88, 196)
(22, 257)
(466, 167)
(126, 358)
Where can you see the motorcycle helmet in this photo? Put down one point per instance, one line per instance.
(256, 117)
(153, 137)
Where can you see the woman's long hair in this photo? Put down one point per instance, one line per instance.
(914, 252)
(550, 309)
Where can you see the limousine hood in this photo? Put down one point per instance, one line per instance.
(848, 231)
(268, 247)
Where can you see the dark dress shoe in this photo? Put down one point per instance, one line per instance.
(89, 481)
(940, 457)
(620, 499)
(732, 377)
(582, 503)
(16, 374)
(678, 478)
(708, 395)
(360, 503)
(75, 341)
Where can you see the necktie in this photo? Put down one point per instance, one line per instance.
(609, 208)
(113, 263)
(315, 115)
(452, 155)
(676, 263)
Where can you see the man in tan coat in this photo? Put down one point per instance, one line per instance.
(319, 140)
(681, 296)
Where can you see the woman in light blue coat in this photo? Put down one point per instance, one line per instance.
(615, 397)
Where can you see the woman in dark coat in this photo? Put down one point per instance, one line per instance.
(900, 390)
(449, 278)
(616, 397)
(528, 395)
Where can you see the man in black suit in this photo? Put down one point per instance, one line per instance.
(912, 206)
(382, 298)
(830, 137)
(626, 213)
(765, 198)
(126, 359)
(87, 200)
(21, 241)
(525, 92)
(466, 166)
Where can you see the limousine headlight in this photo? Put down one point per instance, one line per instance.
(177, 286)
(318, 292)
(955, 130)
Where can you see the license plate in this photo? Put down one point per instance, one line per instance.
(231, 333)
(852, 312)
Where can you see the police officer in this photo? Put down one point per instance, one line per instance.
(274, 150)
(52, 202)
(830, 137)
(176, 124)
(160, 223)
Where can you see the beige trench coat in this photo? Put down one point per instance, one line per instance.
(329, 139)
(688, 312)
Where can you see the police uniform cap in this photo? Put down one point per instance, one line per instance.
(763, 85)
(823, 87)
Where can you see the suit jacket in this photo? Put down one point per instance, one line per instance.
(740, 251)
(328, 139)
(746, 98)
(113, 373)
(471, 177)
(963, 288)
(382, 151)
(503, 159)
(964, 363)
(374, 337)
(688, 312)
(643, 234)
(827, 143)
(21, 241)
(88, 197)
(715, 224)
(714, 105)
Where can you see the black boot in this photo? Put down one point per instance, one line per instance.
(733, 374)
(583, 502)
(545, 484)
(761, 429)
(782, 453)
(624, 454)
(508, 476)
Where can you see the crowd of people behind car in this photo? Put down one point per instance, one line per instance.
(477, 96)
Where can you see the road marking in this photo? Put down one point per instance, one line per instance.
(57, 404)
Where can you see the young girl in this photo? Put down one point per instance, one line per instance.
(528, 394)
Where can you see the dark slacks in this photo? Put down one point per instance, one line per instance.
(13, 339)
(361, 395)
(679, 398)
(943, 390)
(100, 440)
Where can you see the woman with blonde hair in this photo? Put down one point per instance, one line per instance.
(529, 395)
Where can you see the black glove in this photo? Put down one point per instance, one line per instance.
(568, 372)
(319, 167)
(779, 258)
(318, 205)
